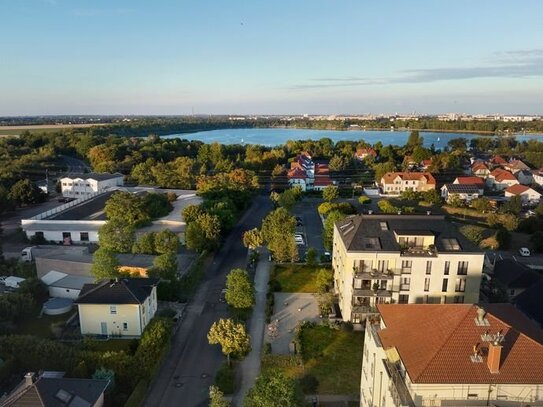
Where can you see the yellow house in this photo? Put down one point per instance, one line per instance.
(120, 307)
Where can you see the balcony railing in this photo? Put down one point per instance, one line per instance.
(357, 292)
(397, 387)
(373, 274)
(418, 251)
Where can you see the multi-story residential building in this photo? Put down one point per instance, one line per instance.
(302, 171)
(322, 177)
(121, 307)
(402, 259)
(398, 182)
(84, 185)
(500, 179)
(452, 355)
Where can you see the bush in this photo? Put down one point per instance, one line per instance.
(473, 233)
(309, 384)
(386, 206)
(364, 200)
(275, 286)
(267, 348)
(503, 238)
(408, 209)
(225, 379)
(505, 220)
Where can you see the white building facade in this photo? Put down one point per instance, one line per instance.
(85, 185)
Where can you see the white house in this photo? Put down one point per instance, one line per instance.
(465, 192)
(121, 307)
(451, 355)
(63, 285)
(501, 179)
(84, 185)
(398, 182)
(527, 194)
(537, 176)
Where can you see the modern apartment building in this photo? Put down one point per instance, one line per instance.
(402, 259)
(397, 182)
(451, 355)
(84, 185)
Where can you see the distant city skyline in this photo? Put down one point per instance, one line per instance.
(349, 57)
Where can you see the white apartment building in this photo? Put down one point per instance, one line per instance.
(84, 185)
(402, 259)
(451, 355)
(398, 182)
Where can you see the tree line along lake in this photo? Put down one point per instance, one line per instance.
(279, 136)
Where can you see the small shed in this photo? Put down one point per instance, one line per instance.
(13, 281)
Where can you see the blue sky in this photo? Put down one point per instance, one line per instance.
(270, 57)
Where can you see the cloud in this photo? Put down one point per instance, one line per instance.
(511, 64)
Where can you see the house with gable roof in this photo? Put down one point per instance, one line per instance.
(398, 182)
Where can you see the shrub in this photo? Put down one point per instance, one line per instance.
(472, 233)
(386, 206)
(364, 200)
(225, 379)
(504, 238)
(267, 348)
(408, 209)
(309, 384)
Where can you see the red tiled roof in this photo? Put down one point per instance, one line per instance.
(322, 181)
(470, 180)
(478, 166)
(517, 165)
(389, 177)
(502, 175)
(365, 151)
(435, 343)
(321, 169)
(517, 189)
(296, 173)
(498, 160)
(427, 163)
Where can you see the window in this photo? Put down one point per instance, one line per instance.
(64, 184)
(429, 267)
(447, 268)
(406, 266)
(365, 265)
(451, 244)
(84, 236)
(460, 285)
(383, 225)
(113, 309)
(462, 268)
(125, 326)
(357, 283)
(458, 299)
(39, 235)
(405, 282)
(403, 299)
(426, 284)
(382, 265)
(66, 235)
(444, 286)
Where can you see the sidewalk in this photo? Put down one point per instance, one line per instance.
(249, 368)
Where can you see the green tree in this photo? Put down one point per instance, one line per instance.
(311, 257)
(6, 204)
(287, 199)
(273, 389)
(104, 264)
(455, 201)
(503, 220)
(166, 266)
(382, 168)
(240, 292)
(166, 241)
(431, 196)
(481, 204)
(539, 210)
(414, 140)
(25, 192)
(278, 232)
(252, 239)
(216, 398)
(324, 280)
(156, 205)
(328, 232)
(117, 236)
(191, 212)
(145, 244)
(386, 206)
(34, 287)
(513, 205)
(537, 241)
(231, 336)
(330, 193)
(127, 208)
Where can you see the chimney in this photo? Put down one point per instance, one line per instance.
(494, 357)
(29, 379)
(480, 315)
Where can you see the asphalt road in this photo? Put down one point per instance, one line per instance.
(312, 225)
(190, 366)
(74, 165)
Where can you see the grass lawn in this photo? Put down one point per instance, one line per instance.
(41, 326)
(333, 357)
(296, 278)
(463, 214)
(110, 345)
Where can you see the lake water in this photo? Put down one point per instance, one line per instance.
(276, 136)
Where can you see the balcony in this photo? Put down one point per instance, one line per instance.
(397, 387)
(357, 292)
(373, 274)
(363, 309)
(417, 251)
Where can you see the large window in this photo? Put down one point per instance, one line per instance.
(460, 285)
(405, 284)
(382, 265)
(427, 284)
(365, 265)
(447, 268)
(445, 284)
(403, 299)
(84, 236)
(462, 268)
(406, 266)
(429, 267)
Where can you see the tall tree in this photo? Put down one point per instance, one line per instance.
(252, 239)
(278, 232)
(330, 193)
(128, 208)
(104, 264)
(25, 192)
(216, 398)
(274, 389)
(240, 292)
(231, 336)
(117, 236)
(166, 241)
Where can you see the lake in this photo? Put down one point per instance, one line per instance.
(276, 136)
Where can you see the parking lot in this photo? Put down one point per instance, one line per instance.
(312, 225)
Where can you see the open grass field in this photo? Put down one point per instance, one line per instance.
(296, 278)
(333, 357)
(41, 326)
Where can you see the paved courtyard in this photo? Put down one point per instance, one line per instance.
(289, 310)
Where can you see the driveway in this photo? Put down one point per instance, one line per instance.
(312, 224)
(189, 368)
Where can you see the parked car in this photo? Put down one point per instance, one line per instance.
(222, 297)
(524, 252)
